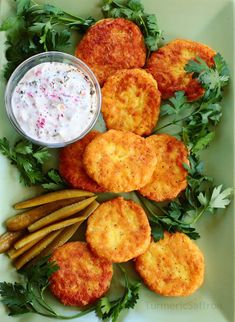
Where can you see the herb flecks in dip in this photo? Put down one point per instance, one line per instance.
(54, 102)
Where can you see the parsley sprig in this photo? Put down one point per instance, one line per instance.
(37, 28)
(29, 295)
(197, 120)
(213, 79)
(29, 159)
(107, 309)
(166, 219)
(134, 10)
(200, 198)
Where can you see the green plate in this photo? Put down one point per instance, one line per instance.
(210, 22)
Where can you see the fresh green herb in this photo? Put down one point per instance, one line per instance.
(169, 219)
(54, 180)
(200, 198)
(210, 201)
(25, 297)
(197, 120)
(198, 129)
(213, 79)
(107, 309)
(29, 160)
(37, 28)
(178, 104)
(133, 10)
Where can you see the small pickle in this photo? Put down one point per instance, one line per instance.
(60, 214)
(14, 253)
(23, 220)
(7, 240)
(68, 232)
(35, 250)
(46, 230)
(53, 196)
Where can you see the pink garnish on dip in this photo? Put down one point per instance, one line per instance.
(54, 102)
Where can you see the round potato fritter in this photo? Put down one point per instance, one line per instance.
(170, 176)
(82, 277)
(118, 230)
(119, 161)
(71, 166)
(110, 45)
(131, 101)
(167, 67)
(173, 266)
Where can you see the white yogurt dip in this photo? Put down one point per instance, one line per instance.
(54, 102)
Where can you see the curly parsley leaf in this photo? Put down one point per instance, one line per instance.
(210, 200)
(37, 28)
(29, 159)
(6, 149)
(103, 307)
(200, 198)
(16, 298)
(23, 147)
(213, 78)
(22, 6)
(197, 181)
(169, 219)
(23, 297)
(215, 199)
(219, 199)
(40, 272)
(107, 309)
(157, 231)
(197, 120)
(203, 142)
(8, 23)
(178, 104)
(133, 10)
(41, 155)
(55, 181)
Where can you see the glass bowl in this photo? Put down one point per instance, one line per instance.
(33, 61)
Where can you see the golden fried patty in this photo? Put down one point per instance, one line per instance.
(131, 101)
(82, 277)
(173, 266)
(110, 45)
(71, 166)
(169, 177)
(119, 161)
(167, 67)
(118, 230)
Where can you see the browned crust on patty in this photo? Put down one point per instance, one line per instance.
(118, 230)
(173, 266)
(169, 177)
(119, 161)
(110, 45)
(131, 101)
(167, 67)
(82, 277)
(71, 165)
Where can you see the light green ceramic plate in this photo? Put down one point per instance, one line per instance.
(211, 22)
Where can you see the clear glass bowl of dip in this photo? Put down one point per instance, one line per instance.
(21, 106)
